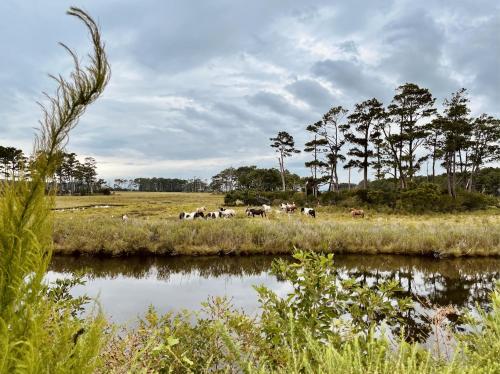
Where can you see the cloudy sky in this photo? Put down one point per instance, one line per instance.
(198, 86)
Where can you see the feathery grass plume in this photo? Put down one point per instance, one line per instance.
(35, 337)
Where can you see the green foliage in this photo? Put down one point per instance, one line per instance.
(488, 181)
(321, 300)
(325, 325)
(38, 333)
(420, 197)
(59, 294)
(481, 345)
(250, 197)
(424, 197)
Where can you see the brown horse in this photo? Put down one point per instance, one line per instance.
(357, 213)
(255, 212)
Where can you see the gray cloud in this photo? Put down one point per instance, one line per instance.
(313, 93)
(214, 80)
(350, 78)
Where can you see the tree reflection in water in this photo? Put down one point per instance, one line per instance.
(462, 282)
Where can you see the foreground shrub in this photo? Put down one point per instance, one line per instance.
(302, 332)
(321, 300)
(39, 331)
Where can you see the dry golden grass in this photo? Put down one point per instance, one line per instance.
(154, 227)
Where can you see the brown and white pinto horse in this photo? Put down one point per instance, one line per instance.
(288, 208)
(214, 215)
(309, 212)
(357, 213)
(190, 215)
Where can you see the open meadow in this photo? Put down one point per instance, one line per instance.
(93, 225)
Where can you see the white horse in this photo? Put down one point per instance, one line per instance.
(227, 213)
(267, 208)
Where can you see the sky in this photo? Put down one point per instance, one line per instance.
(198, 86)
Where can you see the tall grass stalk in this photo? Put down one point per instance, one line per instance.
(34, 335)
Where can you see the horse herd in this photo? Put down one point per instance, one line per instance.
(261, 211)
(252, 212)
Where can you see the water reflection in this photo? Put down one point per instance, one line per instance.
(126, 286)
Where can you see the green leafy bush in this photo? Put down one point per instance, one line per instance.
(251, 197)
(475, 200)
(325, 324)
(418, 198)
(422, 198)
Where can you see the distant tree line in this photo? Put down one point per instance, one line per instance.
(71, 177)
(75, 177)
(397, 140)
(254, 178)
(11, 161)
(162, 185)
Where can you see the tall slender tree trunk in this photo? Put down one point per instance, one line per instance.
(410, 157)
(349, 169)
(470, 182)
(448, 174)
(335, 175)
(282, 169)
(365, 161)
(315, 186)
(331, 184)
(434, 163)
(450, 171)
(365, 171)
(395, 175)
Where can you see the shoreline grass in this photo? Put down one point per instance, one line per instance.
(446, 235)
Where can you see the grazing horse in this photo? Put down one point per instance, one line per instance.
(227, 213)
(191, 215)
(309, 212)
(357, 213)
(255, 212)
(267, 208)
(214, 215)
(288, 208)
(201, 209)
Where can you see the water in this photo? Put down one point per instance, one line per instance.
(125, 287)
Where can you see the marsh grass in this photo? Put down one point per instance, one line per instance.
(154, 227)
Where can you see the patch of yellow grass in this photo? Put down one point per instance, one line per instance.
(154, 227)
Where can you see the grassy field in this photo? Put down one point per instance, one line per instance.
(154, 227)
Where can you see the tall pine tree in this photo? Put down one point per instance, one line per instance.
(360, 128)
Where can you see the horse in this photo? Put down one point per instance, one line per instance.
(201, 209)
(227, 213)
(357, 213)
(191, 215)
(255, 212)
(309, 212)
(214, 215)
(288, 208)
(267, 208)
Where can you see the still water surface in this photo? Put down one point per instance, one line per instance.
(125, 287)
